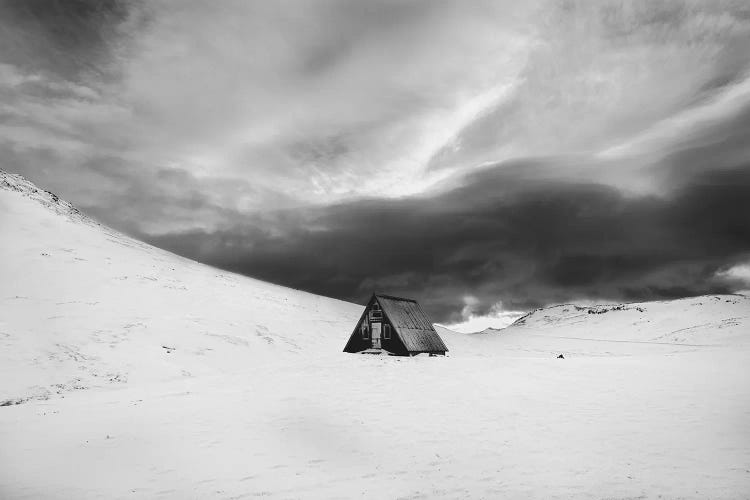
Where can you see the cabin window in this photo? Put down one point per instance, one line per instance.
(375, 312)
(387, 332)
(365, 331)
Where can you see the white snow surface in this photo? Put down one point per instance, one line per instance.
(129, 372)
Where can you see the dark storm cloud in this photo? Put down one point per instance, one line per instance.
(71, 38)
(502, 236)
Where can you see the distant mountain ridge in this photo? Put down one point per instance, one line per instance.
(704, 322)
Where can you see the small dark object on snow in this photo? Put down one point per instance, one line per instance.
(561, 357)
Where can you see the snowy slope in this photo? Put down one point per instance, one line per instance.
(85, 306)
(197, 383)
(693, 324)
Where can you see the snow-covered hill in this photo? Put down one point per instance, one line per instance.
(197, 383)
(684, 325)
(85, 306)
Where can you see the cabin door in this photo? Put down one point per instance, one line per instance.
(376, 335)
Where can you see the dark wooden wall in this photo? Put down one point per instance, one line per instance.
(356, 342)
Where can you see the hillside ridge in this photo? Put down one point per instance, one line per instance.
(87, 306)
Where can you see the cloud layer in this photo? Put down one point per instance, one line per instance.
(512, 234)
(477, 153)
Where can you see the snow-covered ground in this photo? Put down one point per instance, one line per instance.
(128, 372)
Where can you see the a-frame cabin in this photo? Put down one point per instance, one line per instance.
(394, 325)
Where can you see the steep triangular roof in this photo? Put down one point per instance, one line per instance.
(411, 324)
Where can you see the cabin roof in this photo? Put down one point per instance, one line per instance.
(393, 297)
(412, 324)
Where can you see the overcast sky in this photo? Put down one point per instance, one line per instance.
(483, 157)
